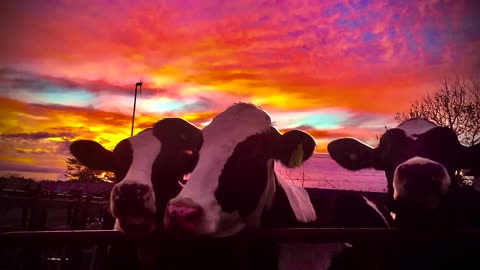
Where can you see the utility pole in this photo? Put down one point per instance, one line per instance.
(137, 85)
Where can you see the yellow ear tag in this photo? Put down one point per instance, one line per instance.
(296, 158)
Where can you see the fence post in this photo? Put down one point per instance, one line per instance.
(69, 215)
(33, 253)
(101, 258)
(24, 219)
(74, 251)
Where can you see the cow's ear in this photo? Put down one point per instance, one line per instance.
(92, 155)
(295, 146)
(351, 154)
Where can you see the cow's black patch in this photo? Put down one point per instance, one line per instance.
(181, 143)
(394, 148)
(244, 176)
(122, 159)
(280, 214)
(440, 144)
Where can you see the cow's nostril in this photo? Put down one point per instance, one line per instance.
(143, 191)
(192, 217)
(132, 199)
(173, 217)
(185, 217)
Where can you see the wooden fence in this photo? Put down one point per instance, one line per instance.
(35, 208)
(32, 243)
(282, 235)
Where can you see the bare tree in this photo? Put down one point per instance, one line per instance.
(455, 105)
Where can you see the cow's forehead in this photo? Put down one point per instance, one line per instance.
(239, 116)
(146, 147)
(143, 140)
(415, 127)
(235, 124)
(220, 138)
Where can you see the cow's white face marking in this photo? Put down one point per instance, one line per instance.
(429, 200)
(417, 126)
(220, 138)
(145, 147)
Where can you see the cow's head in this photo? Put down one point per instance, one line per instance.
(419, 159)
(234, 179)
(147, 167)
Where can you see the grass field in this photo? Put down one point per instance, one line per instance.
(321, 171)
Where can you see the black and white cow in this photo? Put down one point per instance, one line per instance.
(420, 160)
(148, 168)
(234, 186)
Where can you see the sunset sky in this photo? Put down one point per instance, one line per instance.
(333, 68)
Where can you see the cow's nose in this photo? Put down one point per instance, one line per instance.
(423, 177)
(131, 199)
(182, 216)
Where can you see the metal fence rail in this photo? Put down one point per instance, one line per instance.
(87, 249)
(292, 235)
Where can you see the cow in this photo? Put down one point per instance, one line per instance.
(149, 168)
(421, 161)
(235, 186)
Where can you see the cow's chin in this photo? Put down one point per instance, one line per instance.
(136, 226)
(191, 231)
(230, 224)
(220, 224)
(425, 203)
(212, 224)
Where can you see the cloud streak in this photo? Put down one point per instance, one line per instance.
(38, 135)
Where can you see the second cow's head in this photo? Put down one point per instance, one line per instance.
(234, 179)
(419, 158)
(148, 168)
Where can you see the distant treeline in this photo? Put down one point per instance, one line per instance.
(19, 183)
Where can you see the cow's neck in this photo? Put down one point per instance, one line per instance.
(334, 208)
(458, 208)
(347, 209)
(266, 199)
(280, 214)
